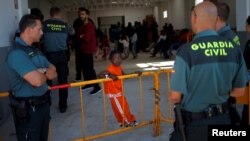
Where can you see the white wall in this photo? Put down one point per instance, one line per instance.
(162, 7)
(131, 14)
(242, 12)
(10, 13)
(177, 13)
(232, 17)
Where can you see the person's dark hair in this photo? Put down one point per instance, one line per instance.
(54, 10)
(84, 9)
(248, 20)
(37, 12)
(223, 10)
(28, 20)
(112, 53)
(213, 1)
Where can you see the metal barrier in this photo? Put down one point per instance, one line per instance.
(155, 121)
(158, 114)
(245, 99)
(4, 94)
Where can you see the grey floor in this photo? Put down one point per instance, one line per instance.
(68, 126)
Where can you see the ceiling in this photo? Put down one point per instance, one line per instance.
(72, 5)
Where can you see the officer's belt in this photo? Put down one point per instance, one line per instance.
(32, 101)
(206, 114)
(57, 52)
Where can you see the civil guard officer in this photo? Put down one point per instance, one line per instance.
(56, 34)
(225, 30)
(28, 71)
(206, 72)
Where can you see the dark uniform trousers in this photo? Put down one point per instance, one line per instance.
(196, 126)
(88, 68)
(31, 117)
(59, 59)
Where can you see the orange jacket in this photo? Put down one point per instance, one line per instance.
(113, 87)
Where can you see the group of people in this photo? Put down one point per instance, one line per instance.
(210, 72)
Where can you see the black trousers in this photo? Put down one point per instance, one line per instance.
(88, 68)
(36, 127)
(78, 62)
(59, 59)
(198, 130)
(245, 115)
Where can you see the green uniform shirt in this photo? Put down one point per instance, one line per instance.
(229, 34)
(206, 70)
(21, 60)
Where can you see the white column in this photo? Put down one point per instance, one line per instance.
(242, 12)
(23, 8)
(156, 14)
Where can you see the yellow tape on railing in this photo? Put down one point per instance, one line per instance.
(4, 94)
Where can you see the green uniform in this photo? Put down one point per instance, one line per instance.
(202, 71)
(229, 34)
(206, 70)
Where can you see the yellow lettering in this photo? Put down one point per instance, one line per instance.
(216, 52)
(224, 52)
(207, 52)
(202, 45)
(209, 45)
(222, 44)
(215, 44)
(194, 47)
(230, 45)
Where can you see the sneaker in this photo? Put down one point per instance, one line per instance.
(124, 125)
(95, 91)
(135, 123)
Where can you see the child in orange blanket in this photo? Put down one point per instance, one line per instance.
(113, 89)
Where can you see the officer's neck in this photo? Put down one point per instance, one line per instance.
(26, 39)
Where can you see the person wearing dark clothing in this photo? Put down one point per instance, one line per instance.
(55, 42)
(160, 44)
(224, 30)
(28, 71)
(245, 112)
(88, 46)
(203, 80)
(76, 25)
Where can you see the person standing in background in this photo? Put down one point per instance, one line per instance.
(224, 30)
(222, 27)
(76, 44)
(28, 71)
(88, 46)
(245, 113)
(55, 42)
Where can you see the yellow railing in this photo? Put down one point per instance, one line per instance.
(245, 99)
(158, 114)
(4, 94)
